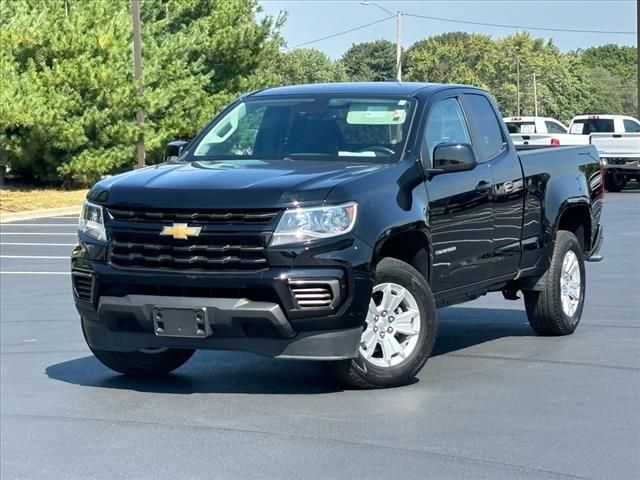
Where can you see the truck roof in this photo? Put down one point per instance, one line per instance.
(594, 116)
(361, 88)
(528, 119)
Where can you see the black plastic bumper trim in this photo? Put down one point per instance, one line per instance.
(312, 345)
(224, 310)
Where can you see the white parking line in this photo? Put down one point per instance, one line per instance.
(41, 244)
(41, 224)
(35, 273)
(55, 234)
(33, 256)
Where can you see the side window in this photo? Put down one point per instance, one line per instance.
(553, 127)
(446, 124)
(631, 126)
(490, 139)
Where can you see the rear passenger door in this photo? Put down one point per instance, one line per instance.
(507, 192)
(460, 212)
(631, 126)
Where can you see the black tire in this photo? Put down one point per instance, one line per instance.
(544, 307)
(142, 364)
(360, 373)
(614, 183)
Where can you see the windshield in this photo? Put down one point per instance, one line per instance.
(373, 129)
(521, 127)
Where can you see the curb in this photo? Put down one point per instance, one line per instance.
(43, 213)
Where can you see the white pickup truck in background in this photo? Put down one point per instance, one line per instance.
(617, 139)
(537, 131)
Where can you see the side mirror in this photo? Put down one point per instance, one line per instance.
(174, 150)
(452, 157)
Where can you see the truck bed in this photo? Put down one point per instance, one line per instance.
(548, 171)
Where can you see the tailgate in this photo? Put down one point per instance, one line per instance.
(549, 139)
(617, 145)
(531, 138)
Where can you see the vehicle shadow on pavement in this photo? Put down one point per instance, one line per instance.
(238, 372)
(462, 327)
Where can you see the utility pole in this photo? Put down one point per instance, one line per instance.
(137, 75)
(535, 95)
(399, 45)
(398, 16)
(518, 81)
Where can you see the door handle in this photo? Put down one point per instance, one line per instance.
(483, 186)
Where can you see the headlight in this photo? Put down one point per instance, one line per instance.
(92, 221)
(300, 225)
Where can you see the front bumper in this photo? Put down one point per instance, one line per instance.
(231, 327)
(251, 311)
(630, 167)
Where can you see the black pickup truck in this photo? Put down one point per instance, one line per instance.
(330, 222)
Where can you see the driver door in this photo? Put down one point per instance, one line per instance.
(460, 212)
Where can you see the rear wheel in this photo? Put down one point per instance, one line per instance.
(399, 332)
(556, 308)
(145, 362)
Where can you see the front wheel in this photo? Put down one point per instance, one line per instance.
(400, 329)
(556, 308)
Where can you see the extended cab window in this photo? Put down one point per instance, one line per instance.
(446, 124)
(631, 126)
(487, 126)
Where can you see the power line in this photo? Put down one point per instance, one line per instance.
(466, 22)
(520, 27)
(341, 33)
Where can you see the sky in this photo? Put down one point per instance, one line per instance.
(309, 20)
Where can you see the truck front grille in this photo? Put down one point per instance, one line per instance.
(211, 217)
(213, 251)
(225, 239)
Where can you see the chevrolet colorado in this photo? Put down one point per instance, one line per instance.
(329, 222)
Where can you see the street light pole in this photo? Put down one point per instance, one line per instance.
(638, 55)
(398, 16)
(137, 75)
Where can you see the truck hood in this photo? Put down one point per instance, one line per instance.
(234, 184)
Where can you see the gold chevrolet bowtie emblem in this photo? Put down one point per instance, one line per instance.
(180, 231)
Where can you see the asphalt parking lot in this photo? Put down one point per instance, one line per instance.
(495, 401)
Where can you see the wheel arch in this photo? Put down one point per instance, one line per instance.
(410, 244)
(576, 218)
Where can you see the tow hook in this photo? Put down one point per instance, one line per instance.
(510, 293)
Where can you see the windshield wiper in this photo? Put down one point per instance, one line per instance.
(305, 156)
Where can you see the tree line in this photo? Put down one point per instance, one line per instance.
(67, 94)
